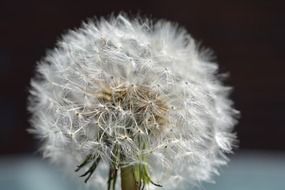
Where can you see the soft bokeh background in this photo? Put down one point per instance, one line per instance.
(248, 38)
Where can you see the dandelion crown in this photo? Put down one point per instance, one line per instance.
(132, 103)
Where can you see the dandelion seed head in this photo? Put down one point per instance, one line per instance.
(143, 86)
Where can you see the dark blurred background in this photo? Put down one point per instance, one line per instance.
(247, 37)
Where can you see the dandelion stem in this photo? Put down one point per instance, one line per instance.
(128, 179)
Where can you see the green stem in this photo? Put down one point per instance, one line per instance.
(128, 181)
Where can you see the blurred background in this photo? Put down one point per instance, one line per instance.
(247, 37)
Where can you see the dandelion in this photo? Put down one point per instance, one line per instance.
(132, 102)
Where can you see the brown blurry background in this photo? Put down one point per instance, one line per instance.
(248, 38)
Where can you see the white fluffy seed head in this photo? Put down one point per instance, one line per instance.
(126, 81)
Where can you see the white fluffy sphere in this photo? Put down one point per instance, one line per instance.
(139, 87)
